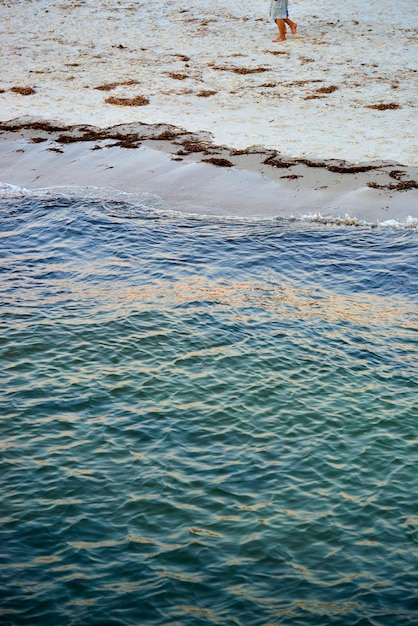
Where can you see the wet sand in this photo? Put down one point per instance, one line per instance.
(191, 171)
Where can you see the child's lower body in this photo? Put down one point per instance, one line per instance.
(280, 14)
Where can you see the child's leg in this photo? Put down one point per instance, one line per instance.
(282, 30)
(292, 25)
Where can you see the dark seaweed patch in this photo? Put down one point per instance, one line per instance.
(206, 93)
(23, 91)
(218, 161)
(384, 107)
(404, 185)
(110, 86)
(135, 101)
(276, 162)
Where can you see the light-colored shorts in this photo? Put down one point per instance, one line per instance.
(278, 9)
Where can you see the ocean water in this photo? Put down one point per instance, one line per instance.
(205, 421)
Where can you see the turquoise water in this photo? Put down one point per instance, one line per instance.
(205, 421)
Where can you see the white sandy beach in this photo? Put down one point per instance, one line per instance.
(345, 87)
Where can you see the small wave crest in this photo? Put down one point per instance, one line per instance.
(129, 205)
(348, 220)
(9, 190)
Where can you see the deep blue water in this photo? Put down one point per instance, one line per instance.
(205, 421)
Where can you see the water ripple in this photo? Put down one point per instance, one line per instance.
(205, 423)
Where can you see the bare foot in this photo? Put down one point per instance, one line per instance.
(279, 39)
(294, 28)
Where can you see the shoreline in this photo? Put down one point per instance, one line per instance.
(188, 169)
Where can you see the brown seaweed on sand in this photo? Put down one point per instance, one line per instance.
(23, 91)
(274, 162)
(193, 146)
(205, 93)
(384, 107)
(241, 70)
(135, 101)
(110, 86)
(329, 89)
(219, 162)
(178, 75)
(404, 185)
(351, 169)
(397, 174)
